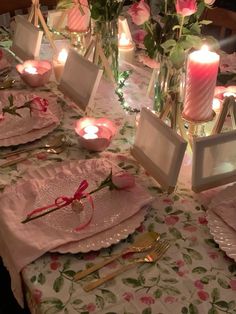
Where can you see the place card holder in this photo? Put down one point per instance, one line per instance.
(159, 149)
(228, 106)
(80, 80)
(27, 39)
(214, 161)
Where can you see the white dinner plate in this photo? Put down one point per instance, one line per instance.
(33, 135)
(222, 233)
(116, 217)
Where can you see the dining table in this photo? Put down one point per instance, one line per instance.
(193, 276)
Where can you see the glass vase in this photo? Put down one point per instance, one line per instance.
(169, 82)
(107, 34)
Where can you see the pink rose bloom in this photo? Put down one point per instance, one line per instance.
(123, 180)
(128, 296)
(171, 220)
(41, 104)
(139, 12)
(151, 63)
(233, 284)
(139, 36)
(91, 307)
(186, 7)
(147, 300)
(203, 295)
(198, 284)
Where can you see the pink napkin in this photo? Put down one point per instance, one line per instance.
(14, 126)
(20, 244)
(226, 210)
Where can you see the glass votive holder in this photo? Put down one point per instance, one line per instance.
(35, 73)
(95, 134)
(59, 61)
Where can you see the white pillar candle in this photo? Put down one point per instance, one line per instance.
(126, 49)
(202, 69)
(59, 63)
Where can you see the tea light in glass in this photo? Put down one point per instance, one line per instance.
(35, 72)
(59, 63)
(95, 134)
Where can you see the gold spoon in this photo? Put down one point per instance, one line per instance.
(52, 143)
(55, 150)
(143, 243)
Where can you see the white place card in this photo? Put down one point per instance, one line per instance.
(27, 39)
(80, 79)
(159, 149)
(214, 161)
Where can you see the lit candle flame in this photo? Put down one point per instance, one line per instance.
(31, 70)
(62, 56)
(205, 48)
(216, 104)
(124, 41)
(90, 136)
(228, 94)
(91, 129)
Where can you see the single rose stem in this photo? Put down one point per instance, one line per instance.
(27, 219)
(181, 26)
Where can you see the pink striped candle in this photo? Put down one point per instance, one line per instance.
(78, 18)
(202, 69)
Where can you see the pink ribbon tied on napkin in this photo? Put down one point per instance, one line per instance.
(63, 201)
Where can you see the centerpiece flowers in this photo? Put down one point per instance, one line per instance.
(172, 28)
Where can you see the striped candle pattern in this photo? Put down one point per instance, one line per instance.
(202, 69)
(78, 18)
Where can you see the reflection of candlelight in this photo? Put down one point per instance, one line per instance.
(216, 104)
(202, 69)
(62, 56)
(126, 49)
(91, 129)
(59, 63)
(228, 94)
(31, 70)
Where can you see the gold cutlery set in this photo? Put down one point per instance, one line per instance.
(147, 242)
(54, 146)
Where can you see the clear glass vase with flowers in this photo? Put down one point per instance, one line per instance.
(173, 27)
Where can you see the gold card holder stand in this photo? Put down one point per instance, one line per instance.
(35, 16)
(228, 107)
(96, 53)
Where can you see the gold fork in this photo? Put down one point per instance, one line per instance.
(143, 243)
(153, 256)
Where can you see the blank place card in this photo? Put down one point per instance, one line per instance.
(80, 79)
(27, 39)
(214, 161)
(159, 149)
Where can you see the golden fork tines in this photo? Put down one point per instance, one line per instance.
(151, 257)
(142, 243)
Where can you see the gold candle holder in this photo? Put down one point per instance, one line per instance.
(196, 128)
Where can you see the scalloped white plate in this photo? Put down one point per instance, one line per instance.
(109, 235)
(36, 134)
(223, 234)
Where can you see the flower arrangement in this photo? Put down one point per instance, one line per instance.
(173, 29)
(35, 104)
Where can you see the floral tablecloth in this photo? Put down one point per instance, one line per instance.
(194, 276)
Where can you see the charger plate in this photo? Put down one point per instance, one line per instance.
(117, 213)
(222, 233)
(33, 135)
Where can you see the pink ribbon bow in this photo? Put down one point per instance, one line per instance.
(63, 201)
